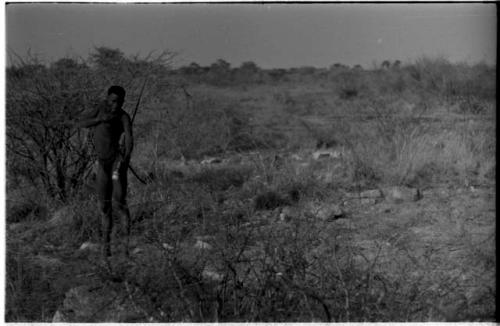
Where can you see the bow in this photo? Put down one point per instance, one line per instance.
(138, 100)
(132, 122)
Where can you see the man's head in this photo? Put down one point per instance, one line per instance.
(116, 96)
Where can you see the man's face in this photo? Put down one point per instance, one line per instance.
(113, 102)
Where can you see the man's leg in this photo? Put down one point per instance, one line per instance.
(104, 192)
(120, 202)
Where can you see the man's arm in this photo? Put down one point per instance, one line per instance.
(128, 138)
(89, 119)
(94, 117)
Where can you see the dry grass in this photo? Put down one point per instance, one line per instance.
(405, 126)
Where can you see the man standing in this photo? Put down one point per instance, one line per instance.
(111, 125)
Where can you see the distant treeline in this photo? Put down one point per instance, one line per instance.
(221, 73)
(249, 72)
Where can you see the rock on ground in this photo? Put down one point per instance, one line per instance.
(89, 246)
(399, 194)
(321, 154)
(373, 193)
(326, 211)
(202, 245)
(287, 214)
(211, 160)
(394, 195)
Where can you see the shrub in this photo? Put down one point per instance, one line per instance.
(205, 126)
(396, 147)
(39, 137)
(29, 293)
(222, 178)
(438, 77)
(20, 212)
(350, 84)
(270, 200)
(41, 104)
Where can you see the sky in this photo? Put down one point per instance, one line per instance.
(271, 35)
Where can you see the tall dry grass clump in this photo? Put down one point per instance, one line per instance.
(414, 154)
(400, 140)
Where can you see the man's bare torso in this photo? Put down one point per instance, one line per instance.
(107, 135)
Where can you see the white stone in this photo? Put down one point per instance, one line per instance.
(89, 246)
(287, 213)
(167, 246)
(202, 245)
(321, 154)
(211, 160)
(326, 211)
(372, 193)
(400, 194)
(331, 153)
(136, 251)
(209, 273)
(368, 201)
(59, 317)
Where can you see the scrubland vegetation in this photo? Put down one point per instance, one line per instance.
(242, 240)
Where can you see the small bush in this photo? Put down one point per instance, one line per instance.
(350, 84)
(270, 200)
(222, 178)
(26, 211)
(438, 77)
(30, 293)
(204, 127)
